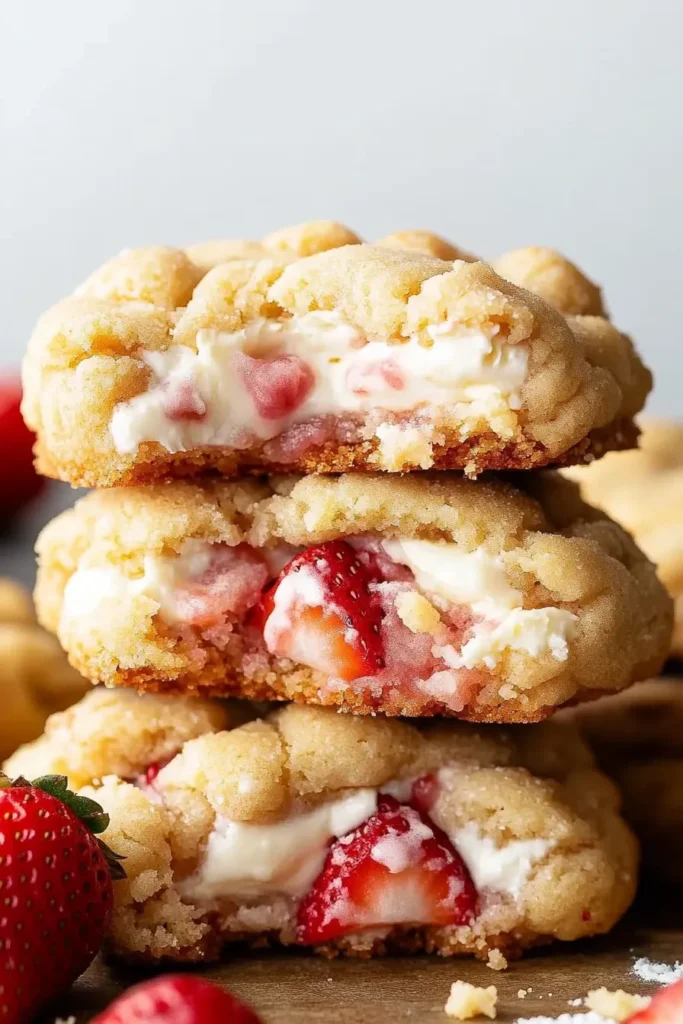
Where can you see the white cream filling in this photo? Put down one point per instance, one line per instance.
(472, 371)
(478, 579)
(92, 591)
(246, 860)
(243, 860)
(494, 868)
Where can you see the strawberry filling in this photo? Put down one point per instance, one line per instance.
(396, 868)
(182, 401)
(335, 607)
(277, 386)
(218, 598)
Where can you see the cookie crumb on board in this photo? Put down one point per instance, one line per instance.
(618, 1005)
(467, 1001)
(496, 960)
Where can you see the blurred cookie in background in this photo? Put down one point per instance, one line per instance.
(637, 736)
(36, 678)
(643, 490)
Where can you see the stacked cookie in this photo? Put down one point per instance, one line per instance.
(288, 439)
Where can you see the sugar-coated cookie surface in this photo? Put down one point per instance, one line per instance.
(638, 739)
(36, 678)
(643, 490)
(348, 834)
(417, 595)
(310, 351)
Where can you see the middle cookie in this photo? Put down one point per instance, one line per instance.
(410, 596)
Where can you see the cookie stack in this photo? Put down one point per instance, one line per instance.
(289, 440)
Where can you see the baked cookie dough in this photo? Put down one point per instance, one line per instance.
(638, 739)
(643, 490)
(36, 678)
(418, 595)
(349, 835)
(359, 357)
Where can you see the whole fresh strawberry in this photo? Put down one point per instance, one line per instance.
(666, 1007)
(55, 891)
(20, 482)
(177, 999)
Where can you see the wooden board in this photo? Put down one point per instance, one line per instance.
(299, 989)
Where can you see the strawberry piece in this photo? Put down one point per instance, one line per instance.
(230, 585)
(322, 612)
(396, 868)
(177, 999)
(666, 1007)
(366, 378)
(182, 401)
(425, 793)
(278, 386)
(20, 482)
(56, 881)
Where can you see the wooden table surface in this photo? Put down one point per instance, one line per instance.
(291, 988)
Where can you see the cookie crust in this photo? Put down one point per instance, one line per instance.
(85, 360)
(515, 785)
(556, 551)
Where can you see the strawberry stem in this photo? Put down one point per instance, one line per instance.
(88, 811)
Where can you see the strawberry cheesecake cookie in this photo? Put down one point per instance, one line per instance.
(305, 239)
(360, 357)
(418, 595)
(638, 739)
(551, 275)
(350, 835)
(643, 490)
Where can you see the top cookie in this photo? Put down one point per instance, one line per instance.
(643, 490)
(358, 357)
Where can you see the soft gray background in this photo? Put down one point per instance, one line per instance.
(498, 123)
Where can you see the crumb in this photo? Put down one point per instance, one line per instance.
(417, 613)
(574, 1002)
(521, 993)
(467, 1001)
(496, 960)
(663, 974)
(619, 1005)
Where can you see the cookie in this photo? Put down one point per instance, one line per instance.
(638, 739)
(429, 243)
(359, 357)
(353, 835)
(548, 273)
(305, 239)
(36, 676)
(418, 595)
(643, 490)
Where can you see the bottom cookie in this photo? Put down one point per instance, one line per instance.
(345, 834)
(637, 736)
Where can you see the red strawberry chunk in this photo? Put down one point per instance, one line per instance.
(323, 612)
(225, 591)
(425, 793)
(396, 868)
(177, 999)
(278, 386)
(182, 401)
(666, 1007)
(382, 376)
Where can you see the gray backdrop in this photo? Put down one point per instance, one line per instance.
(497, 123)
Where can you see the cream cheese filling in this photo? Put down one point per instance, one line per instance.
(473, 372)
(478, 579)
(243, 860)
